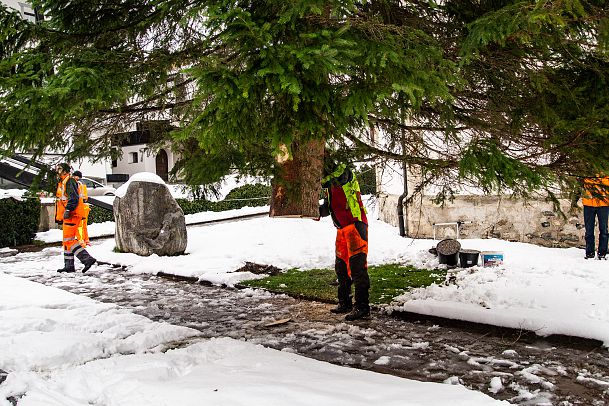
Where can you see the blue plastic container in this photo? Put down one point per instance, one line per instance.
(492, 258)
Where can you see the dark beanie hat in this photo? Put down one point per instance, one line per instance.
(77, 173)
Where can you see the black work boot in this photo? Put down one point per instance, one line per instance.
(343, 307)
(361, 280)
(86, 259)
(89, 264)
(68, 263)
(358, 313)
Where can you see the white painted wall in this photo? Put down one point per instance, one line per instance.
(90, 169)
(146, 160)
(22, 7)
(126, 165)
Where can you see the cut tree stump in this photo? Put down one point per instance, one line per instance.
(296, 190)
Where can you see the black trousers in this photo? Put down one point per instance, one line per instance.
(351, 264)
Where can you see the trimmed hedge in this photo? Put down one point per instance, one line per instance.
(20, 220)
(99, 215)
(246, 195)
(196, 206)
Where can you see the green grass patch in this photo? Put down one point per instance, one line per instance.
(386, 282)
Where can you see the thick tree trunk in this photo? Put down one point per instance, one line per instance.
(296, 189)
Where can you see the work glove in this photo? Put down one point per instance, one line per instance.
(324, 210)
(67, 214)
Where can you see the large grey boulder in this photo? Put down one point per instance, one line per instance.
(148, 219)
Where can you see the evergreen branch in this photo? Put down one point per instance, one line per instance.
(372, 118)
(413, 160)
(145, 109)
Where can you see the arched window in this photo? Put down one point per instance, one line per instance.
(162, 165)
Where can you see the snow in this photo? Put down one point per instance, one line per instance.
(62, 349)
(545, 290)
(139, 177)
(383, 360)
(16, 193)
(517, 294)
(514, 294)
(496, 385)
(107, 228)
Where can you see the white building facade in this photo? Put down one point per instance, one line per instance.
(140, 158)
(24, 8)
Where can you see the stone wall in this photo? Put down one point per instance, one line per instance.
(47, 217)
(533, 221)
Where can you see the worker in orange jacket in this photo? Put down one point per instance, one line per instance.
(69, 211)
(83, 233)
(596, 205)
(343, 201)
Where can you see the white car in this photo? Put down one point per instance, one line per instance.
(94, 188)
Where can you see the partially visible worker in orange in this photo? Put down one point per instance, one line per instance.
(83, 234)
(596, 205)
(69, 211)
(343, 201)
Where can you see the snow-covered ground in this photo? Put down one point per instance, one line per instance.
(546, 290)
(61, 349)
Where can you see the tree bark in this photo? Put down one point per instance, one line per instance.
(296, 188)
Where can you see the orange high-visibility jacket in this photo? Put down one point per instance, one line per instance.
(68, 199)
(596, 191)
(83, 192)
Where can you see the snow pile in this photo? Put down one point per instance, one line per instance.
(545, 290)
(15, 193)
(61, 349)
(139, 177)
(45, 328)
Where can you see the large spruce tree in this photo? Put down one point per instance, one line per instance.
(502, 94)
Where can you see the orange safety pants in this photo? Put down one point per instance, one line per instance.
(82, 233)
(349, 243)
(70, 233)
(70, 241)
(351, 264)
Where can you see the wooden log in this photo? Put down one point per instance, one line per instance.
(297, 187)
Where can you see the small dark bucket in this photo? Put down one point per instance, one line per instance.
(450, 260)
(468, 258)
(448, 251)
